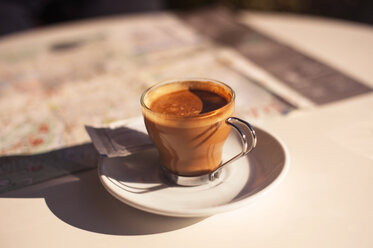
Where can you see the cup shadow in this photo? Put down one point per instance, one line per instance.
(80, 200)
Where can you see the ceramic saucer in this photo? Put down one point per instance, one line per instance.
(137, 180)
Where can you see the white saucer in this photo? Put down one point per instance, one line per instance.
(137, 180)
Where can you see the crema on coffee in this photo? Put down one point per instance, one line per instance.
(188, 102)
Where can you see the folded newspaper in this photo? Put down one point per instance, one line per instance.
(121, 138)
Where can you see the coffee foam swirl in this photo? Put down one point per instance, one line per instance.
(203, 119)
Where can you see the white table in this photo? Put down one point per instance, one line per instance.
(324, 201)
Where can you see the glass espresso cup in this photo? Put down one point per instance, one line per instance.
(189, 121)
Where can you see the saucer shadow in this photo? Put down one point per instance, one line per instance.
(81, 201)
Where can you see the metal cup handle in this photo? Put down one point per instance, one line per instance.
(244, 129)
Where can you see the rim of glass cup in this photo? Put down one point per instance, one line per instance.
(204, 115)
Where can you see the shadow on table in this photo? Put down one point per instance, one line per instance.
(80, 200)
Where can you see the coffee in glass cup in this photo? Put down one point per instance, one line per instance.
(189, 121)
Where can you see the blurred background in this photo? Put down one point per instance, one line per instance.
(19, 15)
